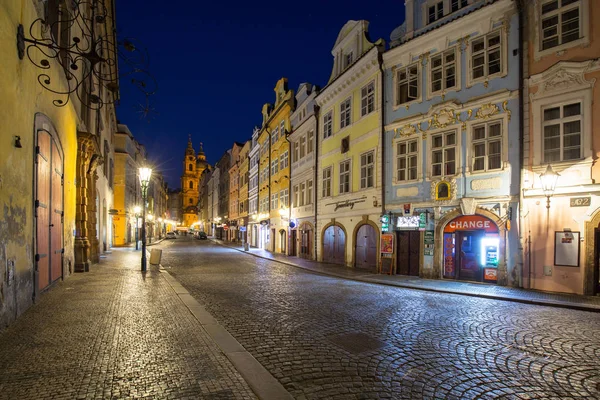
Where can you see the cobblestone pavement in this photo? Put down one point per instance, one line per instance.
(114, 333)
(326, 337)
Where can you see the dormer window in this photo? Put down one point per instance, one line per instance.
(436, 11)
(456, 5)
(348, 59)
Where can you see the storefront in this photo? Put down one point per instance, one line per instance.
(264, 234)
(471, 249)
(408, 236)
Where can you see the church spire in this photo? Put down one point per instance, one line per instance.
(189, 151)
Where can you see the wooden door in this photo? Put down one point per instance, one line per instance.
(366, 247)
(408, 253)
(56, 215)
(334, 245)
(293, 242)
(596, 262)
(305, 244)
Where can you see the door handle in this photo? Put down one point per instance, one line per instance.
(51, 225)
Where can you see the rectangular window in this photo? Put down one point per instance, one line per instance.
(348, 59)
(366, 170)
(283, 197)
(443, 154)
(562, 130)
(274, 167)
(296, 194)
(436, 12)
(367, 99)
(486, 146)
(302, 193)
(326, 182)
(345, 176)
(274, 136)
(284, 160)
(455, 5)
(302, 147)
(345, 112)
(274, 205)
(407, 84)
(486, 55)
(310, 142)
(561, 22)
(296, 151)
(282, 129)
(309, 191)
(406, 160)
(443, 71)
(327, 124)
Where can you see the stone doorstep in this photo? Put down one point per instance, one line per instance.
(264, 385)
(369, 279)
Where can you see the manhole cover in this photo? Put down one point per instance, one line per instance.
(356, 342)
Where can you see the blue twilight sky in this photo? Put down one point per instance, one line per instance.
(217, 62)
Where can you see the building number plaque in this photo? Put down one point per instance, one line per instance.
(580, 201)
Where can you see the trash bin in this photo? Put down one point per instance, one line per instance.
(245, 246)
(155, 255)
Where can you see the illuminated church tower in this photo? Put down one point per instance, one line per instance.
(193, 166)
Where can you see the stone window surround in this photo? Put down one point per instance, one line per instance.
(504, 119)
(419, 98)
(457, 155)
(349, 173)
(503, 55)
(395, 158)
(584, 25)
(457, 76)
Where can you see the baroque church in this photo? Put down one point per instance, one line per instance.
(193, 166)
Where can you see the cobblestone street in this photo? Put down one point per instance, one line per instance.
(114, 333)
(325, 337)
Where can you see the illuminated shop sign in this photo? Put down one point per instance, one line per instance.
(412, 221)
(471, 223)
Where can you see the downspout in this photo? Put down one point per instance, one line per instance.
(382, 122)
(317, 109)
(521, 10)
(289, 206)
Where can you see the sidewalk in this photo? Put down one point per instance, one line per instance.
(115, 332)
(572, 301)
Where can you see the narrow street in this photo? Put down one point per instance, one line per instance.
(325, 337)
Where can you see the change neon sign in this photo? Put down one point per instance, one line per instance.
(471, 223)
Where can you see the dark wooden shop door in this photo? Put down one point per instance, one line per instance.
(409, 249)
(305, 244)
(334, 241)
(366, 247)
(49, 212)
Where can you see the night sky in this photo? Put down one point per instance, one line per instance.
(217, 62)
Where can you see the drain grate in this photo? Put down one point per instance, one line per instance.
(356, 342)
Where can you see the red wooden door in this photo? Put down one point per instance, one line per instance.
(48, 211)
(42, 209)
(334, 244)
(366, 247)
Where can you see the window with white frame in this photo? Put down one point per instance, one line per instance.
(327, 124)
(274, 199)
(486, 146)
(310, 142)
(283, 161)
(296, 194)
(406, 160)
(561, 22)
(456, 5)
(296, 152)
(302, 194)
(326, 182)
(348, 59)
(345, 113)
(345, 176)
(443, 71)
(443, 154)
(562, 130)
(486, 56)
(367, 99)
(282, 129)
(367, 166)
(407, 84)
(284, 197)
(274, 136)
(302, 147)
(435, 12)
(309, 191)
(274, 167)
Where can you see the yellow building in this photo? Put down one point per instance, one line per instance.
(51, 157)
(193, 166)
(349, 148)
(244, 164)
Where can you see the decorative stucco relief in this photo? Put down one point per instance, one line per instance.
(453, 189)
(486, 184)
(407, 192)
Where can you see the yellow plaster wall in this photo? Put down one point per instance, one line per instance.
(21, 97)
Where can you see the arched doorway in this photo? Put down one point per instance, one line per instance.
(366, 247)
(48, 210)
(283, 240)
(334, 245)
(306, 241)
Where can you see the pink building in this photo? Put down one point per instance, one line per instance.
(560, 228)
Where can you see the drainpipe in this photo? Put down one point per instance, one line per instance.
(317, 109)
(522, 10)
(289, 206)
(382, 122)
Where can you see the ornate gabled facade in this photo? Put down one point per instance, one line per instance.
(349, 149)
(452, 141)
(561, 131)
(193, 166)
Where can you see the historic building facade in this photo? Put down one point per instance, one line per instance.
(303, 145)
(560, 234)
(253, 185)
(234, 192)
(244, 176)
(452, 141)
(349, 149)
(193, 166)
(221, 201)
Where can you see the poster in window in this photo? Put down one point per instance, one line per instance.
(566, 249)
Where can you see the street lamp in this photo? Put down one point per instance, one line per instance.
(549, 179)
(145, 174)
(137, 210)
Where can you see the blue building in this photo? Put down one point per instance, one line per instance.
(451, 148)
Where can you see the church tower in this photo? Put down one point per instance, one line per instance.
(193, 166)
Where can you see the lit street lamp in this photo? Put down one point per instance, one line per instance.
(137, 210)
(549, 179)
(145, 174)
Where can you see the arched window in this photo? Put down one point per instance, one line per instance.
(190, 167)
(191, 185)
